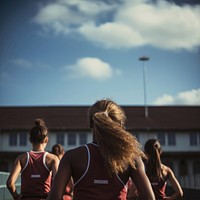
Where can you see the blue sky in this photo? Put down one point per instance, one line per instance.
(74, 52)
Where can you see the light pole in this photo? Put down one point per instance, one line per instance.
(144, 59)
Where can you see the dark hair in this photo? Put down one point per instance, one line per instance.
(57, 149)
(118, 147)
(153, 165)
(39, 132)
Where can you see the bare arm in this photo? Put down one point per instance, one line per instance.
(178, 192)
(141, 181)
(61, 179)
(13, 177)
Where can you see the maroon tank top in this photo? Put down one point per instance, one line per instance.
(96, 183)
(35, 176)
(159, 187)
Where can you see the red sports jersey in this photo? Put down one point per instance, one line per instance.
(96, 183)
(159, 187)
(35, 176)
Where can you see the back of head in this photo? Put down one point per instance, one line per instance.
(118, 147)
(153, 166)
(39, 132)
(58, 150)
(107, 107)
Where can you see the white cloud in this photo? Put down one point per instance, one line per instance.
(112, 35)
(131, 23)
(65, 16)
(191, 97)
(91, 68)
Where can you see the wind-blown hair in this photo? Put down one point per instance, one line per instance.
(118, 147)
(153, 165)
(39, 132)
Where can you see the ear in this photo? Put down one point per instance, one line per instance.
(46, 140)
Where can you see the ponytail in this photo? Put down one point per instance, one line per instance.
(118, 147)
(153, 165)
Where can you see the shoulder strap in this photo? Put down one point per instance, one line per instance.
(27, 159)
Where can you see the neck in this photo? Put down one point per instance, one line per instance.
(38, 147)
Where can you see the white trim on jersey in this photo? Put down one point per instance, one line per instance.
(27, 159)
(88, 164)
(44, 161)
(121, 181)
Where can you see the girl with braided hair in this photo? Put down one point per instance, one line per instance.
(101, 169)
(159, 173)
(36, 167)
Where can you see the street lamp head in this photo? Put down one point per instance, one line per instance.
(144, 58)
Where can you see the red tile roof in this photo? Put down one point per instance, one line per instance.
(179, 118)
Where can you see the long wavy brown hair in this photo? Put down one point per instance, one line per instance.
(118, 147)
(153, 165)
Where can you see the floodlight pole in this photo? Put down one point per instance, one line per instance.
(144, 59)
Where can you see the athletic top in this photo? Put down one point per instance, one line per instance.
(35, 176)
(159, 187)
(96, 183)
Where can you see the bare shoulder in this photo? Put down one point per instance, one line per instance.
(167, 172)
(51, 156)
(22, 158)
(51, 160)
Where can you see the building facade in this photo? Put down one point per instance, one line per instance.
(177, 128)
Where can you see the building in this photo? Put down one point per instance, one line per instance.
(176, 127)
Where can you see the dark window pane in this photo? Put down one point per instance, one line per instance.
(193, 139)
(161, 138)
(60, 138)
(82, 138)
(22, 139)
(196, 167)
(183, 168)
(171, 139)
(13, 139)
(71, 139)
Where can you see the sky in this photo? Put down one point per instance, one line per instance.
(74, 52)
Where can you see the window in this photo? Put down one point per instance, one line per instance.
(13, 139)
(82, 138)
(22, 139)
(171, 139)
(196, 167)
(60, 138)
(161, 138)
(183, 168)
(193, 139)
(71, 139)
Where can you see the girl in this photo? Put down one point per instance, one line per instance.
(158, 173)
(36, 167)
(101, 169)
(59, 151)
